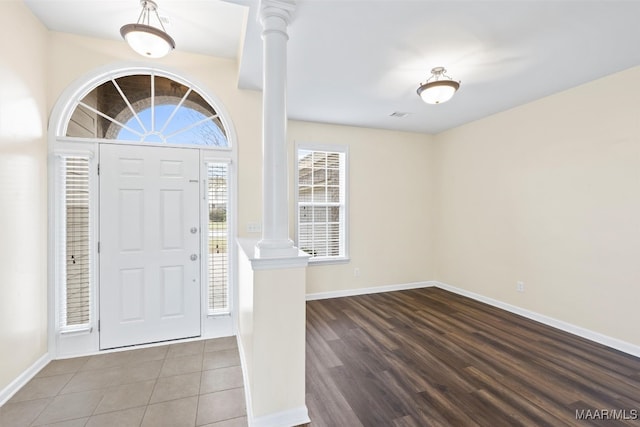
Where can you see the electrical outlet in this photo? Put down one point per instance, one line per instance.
(356, 272)
(254, 227)
(520, 286)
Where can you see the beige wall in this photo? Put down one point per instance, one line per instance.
(390, 206)
(548, 193)
(278, 383)
(23, 191)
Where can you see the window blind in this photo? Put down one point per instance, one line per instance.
(218, 237)
(75, 253)
(321, 203)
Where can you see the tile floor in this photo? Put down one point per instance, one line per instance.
(197, 383)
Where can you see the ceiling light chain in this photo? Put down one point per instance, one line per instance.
(143, 13)
(438, 88)
(149, 6)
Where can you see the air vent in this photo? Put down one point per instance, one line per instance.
(399, 114)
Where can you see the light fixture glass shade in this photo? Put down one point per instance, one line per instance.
(438, 92)
(147, 40)
(438, 88)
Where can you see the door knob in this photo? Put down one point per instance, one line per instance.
(194, 230)
(194, 257)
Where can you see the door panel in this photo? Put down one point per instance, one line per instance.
(172, 223)
(131, 219)
(149, 245)
(131, 299)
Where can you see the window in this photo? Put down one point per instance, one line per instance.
(74, 262)
(218, 237)
(321, 194)
(147, 109)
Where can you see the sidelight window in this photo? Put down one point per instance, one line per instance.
(74, 239)
(218, 237)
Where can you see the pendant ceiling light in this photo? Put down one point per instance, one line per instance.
(147, 40)
(438, 88)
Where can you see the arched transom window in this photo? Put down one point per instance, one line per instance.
(147, 108)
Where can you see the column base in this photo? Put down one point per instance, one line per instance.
(276, 249)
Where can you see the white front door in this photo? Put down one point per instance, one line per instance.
(149, 244)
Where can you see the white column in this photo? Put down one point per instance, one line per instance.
(275, 16)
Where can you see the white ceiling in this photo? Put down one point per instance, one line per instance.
(356, 62)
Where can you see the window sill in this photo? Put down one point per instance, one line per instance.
(218, 314)
(77, 331)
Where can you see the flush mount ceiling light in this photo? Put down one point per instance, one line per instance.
(147, 40)
(438, 88)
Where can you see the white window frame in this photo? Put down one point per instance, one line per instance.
(205, 229)
(65, 151)
(344, 187)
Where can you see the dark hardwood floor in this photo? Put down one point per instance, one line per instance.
(428, 357)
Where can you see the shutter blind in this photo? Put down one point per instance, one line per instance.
(321, 203)
(76, 272)
(218, 237)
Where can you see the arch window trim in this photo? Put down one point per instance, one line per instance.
(75, 95)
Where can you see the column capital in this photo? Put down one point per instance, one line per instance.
(277, 8)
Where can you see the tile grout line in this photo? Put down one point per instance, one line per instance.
(52, 398)
(195, 418)
(102, 388)
(146, 408)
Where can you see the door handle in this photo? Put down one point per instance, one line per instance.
(194, 257)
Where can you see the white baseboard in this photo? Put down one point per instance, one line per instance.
(23, 378)
(290, 418)
(366, 291)
(597, 337)
(245, 379)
